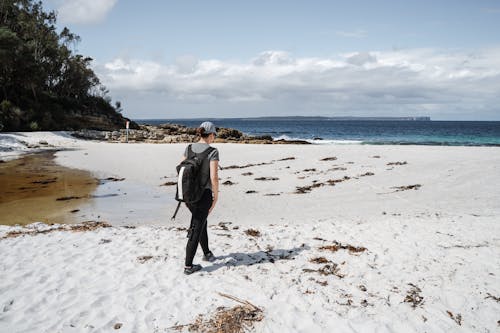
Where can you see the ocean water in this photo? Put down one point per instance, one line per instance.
(326, 131)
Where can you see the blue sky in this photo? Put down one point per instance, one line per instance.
(182, 59)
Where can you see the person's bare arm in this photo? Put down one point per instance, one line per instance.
(214, 178)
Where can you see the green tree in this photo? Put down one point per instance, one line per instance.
(40, 76)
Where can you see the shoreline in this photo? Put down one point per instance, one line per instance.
(151, 202)
(16, 144)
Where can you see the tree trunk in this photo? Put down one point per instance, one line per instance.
(34, 92)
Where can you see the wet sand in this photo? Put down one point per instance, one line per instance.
(31, 186)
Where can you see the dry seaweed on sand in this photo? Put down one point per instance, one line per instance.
(337, 169)
(413, 296)
(287, 158)
(169, 184)
(228, 182)
(457, 318)
(407, 187)
(319, 260)
(403, 188)
(339, 246)
(244, 166)
(252, 232)
(497, 299)
(397, 163)
(367, 174)
(85, 226)
(247, 173)
(143, 259)
(329, 269)
(238, 319)
(333, 158)
(335, 181)
(223, 225)
(308, 188)
(250, 192)
(267, 178)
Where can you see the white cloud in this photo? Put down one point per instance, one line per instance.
(361, 58)
(83, 11)
(411, 80)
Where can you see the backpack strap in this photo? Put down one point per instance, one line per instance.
(176, 210)
(203, 155)
(207, 152)
(190, 152)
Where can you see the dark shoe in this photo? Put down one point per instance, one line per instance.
(209, 257)
(192, 269)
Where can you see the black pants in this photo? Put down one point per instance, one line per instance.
(198, 229)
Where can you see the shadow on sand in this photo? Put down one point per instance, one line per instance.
(259, 257)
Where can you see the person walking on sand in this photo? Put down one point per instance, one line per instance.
(201, 209)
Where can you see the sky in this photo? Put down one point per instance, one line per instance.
(195, 59)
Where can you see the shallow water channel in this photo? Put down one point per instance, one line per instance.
(34, 188)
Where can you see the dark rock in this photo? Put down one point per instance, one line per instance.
(173, 133)
(263, 137)
(227, 133)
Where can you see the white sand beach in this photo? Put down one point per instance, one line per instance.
(410, 237)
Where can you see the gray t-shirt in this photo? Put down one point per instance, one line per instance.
(200, 147)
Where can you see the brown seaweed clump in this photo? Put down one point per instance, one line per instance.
(339, 246)
(267, 178)
(413, 296)
(82, 227)
(252, 232)
(238, 319)
(397, 163)
(406, 187)
(329, 269)
(319, 260)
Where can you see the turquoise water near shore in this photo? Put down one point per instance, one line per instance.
(325, 131)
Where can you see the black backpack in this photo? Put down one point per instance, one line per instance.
(192, 177)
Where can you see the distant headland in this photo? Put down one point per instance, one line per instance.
(298, 118)
(341, 118)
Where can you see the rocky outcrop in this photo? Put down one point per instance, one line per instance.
(173, 133)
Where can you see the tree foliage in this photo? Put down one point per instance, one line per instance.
(44, 85)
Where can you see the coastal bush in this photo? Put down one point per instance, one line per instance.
(34, 126)
(44, 84)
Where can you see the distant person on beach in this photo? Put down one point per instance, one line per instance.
(200, 210)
